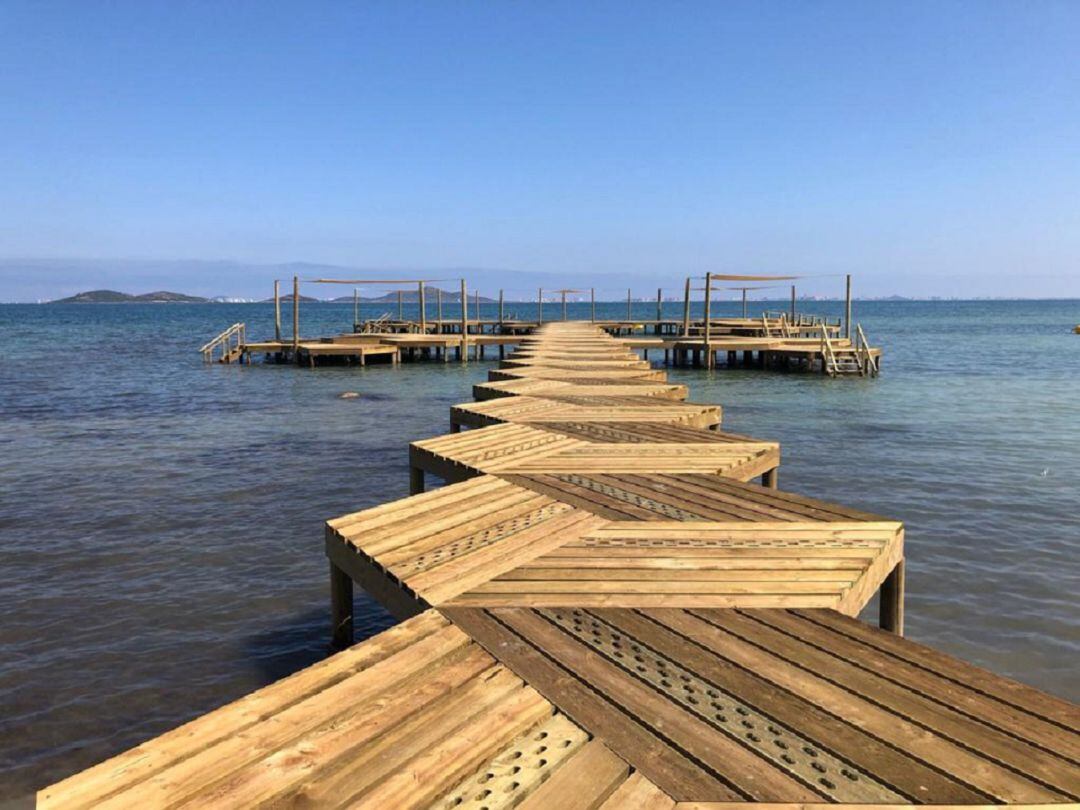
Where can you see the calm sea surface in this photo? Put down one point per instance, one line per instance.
(161, 520)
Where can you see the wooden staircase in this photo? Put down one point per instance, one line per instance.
(229, 345)
(841, 356)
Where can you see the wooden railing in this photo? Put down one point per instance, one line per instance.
(867, 362)
(380, 324)
(230, 342)
(828, 354)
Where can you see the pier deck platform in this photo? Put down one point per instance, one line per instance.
(586, 387)
(525, 409)
(612, 709)
(614, 541)
(514, 448)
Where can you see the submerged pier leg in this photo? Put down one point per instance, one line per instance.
(416, 480)
(341, 608)
(891, 601)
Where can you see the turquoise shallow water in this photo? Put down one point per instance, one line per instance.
(161, 521)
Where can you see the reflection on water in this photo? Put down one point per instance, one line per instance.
(161, 522)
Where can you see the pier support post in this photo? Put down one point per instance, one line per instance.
(539, 305)
(847, 309)
(686, 310)
(416, 480)
(708, 322)
(659, 308)
(891, 601)
(423, 310)
(341, 608)
(295, 316)
(500, 310)
(629, 309)
(592, 305)
(771, 478)
(277, 310)
(438, 309)
(463, 351)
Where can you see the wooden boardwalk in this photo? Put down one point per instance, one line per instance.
(601, 609)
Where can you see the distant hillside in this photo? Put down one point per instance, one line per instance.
(114, 297)
(413, 297)
(304, 299)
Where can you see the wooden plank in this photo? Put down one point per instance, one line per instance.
(582, 783)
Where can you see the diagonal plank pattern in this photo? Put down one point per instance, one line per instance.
(418, 716)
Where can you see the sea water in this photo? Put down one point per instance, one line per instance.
(161, 520)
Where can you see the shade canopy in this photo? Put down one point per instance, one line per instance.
(374, 281)
(728, 277)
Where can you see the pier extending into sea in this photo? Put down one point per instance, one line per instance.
(780, 339)
(610, 603)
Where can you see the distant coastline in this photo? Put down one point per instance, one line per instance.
(167, 297)
(449, 297)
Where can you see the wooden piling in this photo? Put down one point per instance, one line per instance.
(464, 350)
(891, 601)
(341, 608)
(438, 304)
(295, 315)
(539, 305)
(708, 322)
(847, 309)
(500, 310)
(416, 480)
(277, 310)
(592, 304)
(423, 310)
(686, 311)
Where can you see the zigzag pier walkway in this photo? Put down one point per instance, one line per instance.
(611, 613)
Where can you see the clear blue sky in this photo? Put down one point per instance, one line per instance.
(926, 147)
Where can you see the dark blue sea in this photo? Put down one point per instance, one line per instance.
(161, 540)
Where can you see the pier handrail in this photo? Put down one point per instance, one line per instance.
(867, 359)
(225, 340)
(828, 356)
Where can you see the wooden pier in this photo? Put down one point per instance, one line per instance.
(774, 340)
(607, 612)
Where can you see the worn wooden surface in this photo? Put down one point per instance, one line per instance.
(782, 706)
(418, 716)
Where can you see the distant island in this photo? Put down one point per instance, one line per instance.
(114, 297)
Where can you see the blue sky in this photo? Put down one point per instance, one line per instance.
(929, 148)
